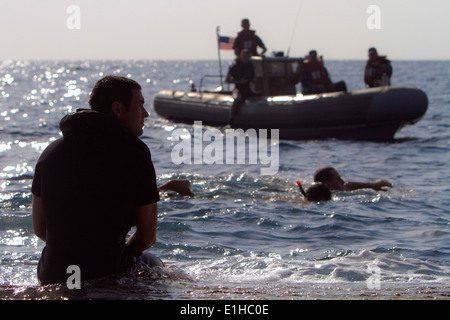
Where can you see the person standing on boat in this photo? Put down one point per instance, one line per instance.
(314, 76)
(378, 70)
(247, 39)
(241, 73)
(93, 184)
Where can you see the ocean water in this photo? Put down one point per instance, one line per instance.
(244, 235)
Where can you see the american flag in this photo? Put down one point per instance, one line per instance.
(226, 43)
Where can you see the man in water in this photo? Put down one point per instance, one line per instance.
(378, 70)
(331, 178)
(247, 39)
(93, 184)
(318, 192)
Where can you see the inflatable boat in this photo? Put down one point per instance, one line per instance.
(374, 114)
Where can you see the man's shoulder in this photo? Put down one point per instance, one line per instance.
(52, 148)
(134, 152)
(382, 60)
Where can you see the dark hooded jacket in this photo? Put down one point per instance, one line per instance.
(90, 180)
(376, 69)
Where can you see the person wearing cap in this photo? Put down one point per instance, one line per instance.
(378, 71)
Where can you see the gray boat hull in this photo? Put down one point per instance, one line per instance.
(372, 114)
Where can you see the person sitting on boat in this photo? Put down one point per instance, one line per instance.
(247, 39)
(378, 70)
(331, 178)
(241, 73)
(314, 76)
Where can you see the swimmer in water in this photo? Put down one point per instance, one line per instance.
(316, 193)
(331, 178)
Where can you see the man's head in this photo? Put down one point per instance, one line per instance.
(313, 55)
(245, 24)
(373, 53)
(318, 192)
(329, 177)
(121, 97)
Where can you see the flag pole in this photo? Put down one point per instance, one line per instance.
(220, 60)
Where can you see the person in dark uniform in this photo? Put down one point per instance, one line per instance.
(241, 73)
(378, 71)
(93, 185)
(247, 39)
(314, 76)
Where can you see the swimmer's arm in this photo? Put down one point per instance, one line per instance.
(182, 186)
(379, 185)
(146, 221)
(37, 212)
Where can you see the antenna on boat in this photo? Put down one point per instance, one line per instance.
(295, 26)
(218, 51)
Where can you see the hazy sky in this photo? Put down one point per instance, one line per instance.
(186, 29)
